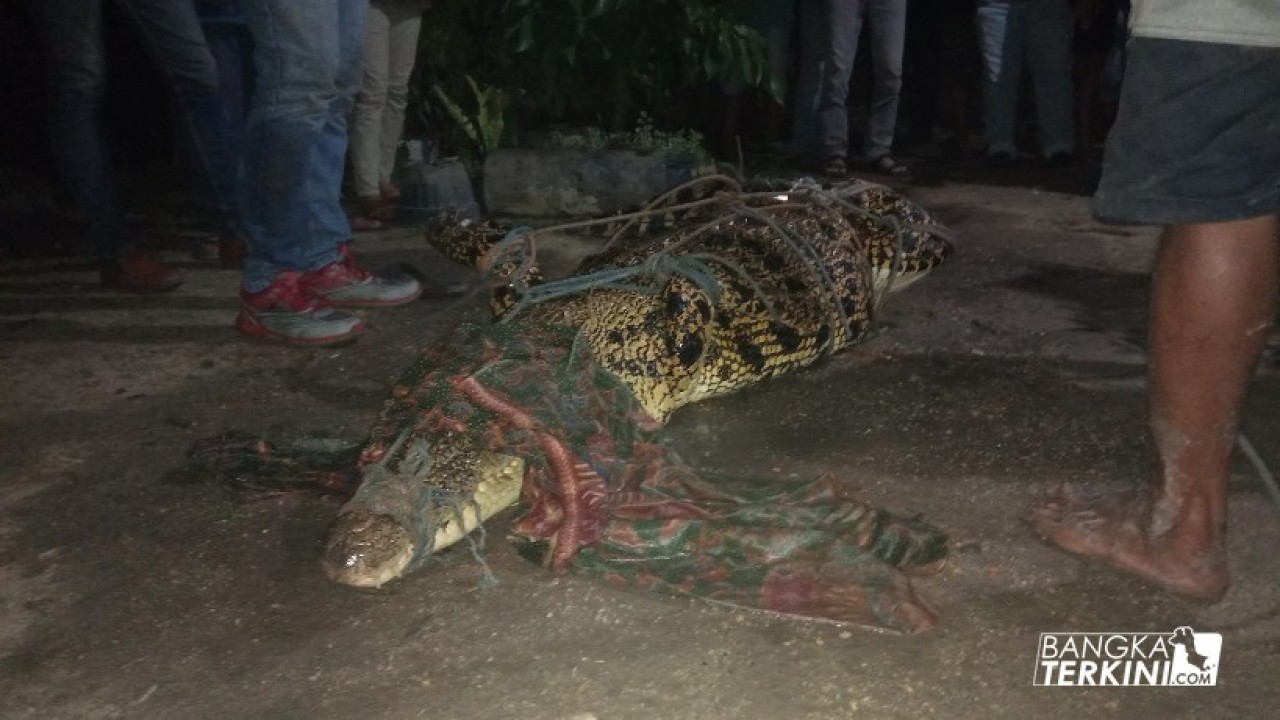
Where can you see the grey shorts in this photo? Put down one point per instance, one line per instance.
(1197, 138)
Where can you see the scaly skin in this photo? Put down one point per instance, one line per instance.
(778, 306)
(368, 549)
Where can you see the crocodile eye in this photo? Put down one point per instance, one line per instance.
(676, 303)
(690, 350)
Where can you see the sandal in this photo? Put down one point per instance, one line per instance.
(389, 192)
(886, 165)
(835, 168)
(375, 208)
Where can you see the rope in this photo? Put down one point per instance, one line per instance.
(415, 465)
(814, 264)
(520, 244)
(888, 222)
(1264, 472)
(660, 266)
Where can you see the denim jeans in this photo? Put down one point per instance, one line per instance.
(233, 51)
(76, 55)
(308, 55)
(391, 48)
(813, 41)
(1037, 33)
(888, 24)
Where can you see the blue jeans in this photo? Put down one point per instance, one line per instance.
(813, 41)
(76, 55)
(233, 51)
(837, 31)
(1037, 33)
(308, 56)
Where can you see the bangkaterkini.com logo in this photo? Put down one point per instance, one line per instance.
(1182, 658)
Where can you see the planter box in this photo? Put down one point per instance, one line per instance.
(578, 183)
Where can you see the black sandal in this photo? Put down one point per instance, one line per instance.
(835, 168)
(886, 165)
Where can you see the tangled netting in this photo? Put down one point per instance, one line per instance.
(640, 516)
(604, 491)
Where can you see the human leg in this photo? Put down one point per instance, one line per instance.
(1000, 30)
(295, 145)
(406, 22)
(813, 40)
(232, 53)
(174, 37)
(1049, 27)
(329, 219)
(844, 22)
(888, 19)
(76, 67)
(76, 57)
(1213, 298)
(1196, 148)
(370, 106)
(289, 138)
(229, 42)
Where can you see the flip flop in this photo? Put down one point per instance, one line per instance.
(835, 168)
(886, 165)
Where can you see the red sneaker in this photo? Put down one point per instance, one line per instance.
(288, 310)
(346, 284)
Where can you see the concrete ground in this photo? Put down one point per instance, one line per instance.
(129, 591)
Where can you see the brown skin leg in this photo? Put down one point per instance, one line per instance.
(1213, 298)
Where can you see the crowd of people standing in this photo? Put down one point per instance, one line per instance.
(272, 168)
(284, 104)
(1195, 150)
(924, 55)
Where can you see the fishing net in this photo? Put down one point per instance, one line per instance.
(604, 491)
(633, 513)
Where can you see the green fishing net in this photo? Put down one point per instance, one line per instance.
(604, 492)
(633, 513)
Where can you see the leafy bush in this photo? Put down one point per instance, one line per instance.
(580, 62)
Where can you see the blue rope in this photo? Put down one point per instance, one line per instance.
(659, 266)
(414, 468)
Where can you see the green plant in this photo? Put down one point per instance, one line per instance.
(574, 62)
(486, 124)
(609, 57)
(461, 49)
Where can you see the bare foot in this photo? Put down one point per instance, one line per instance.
(1114, 528)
